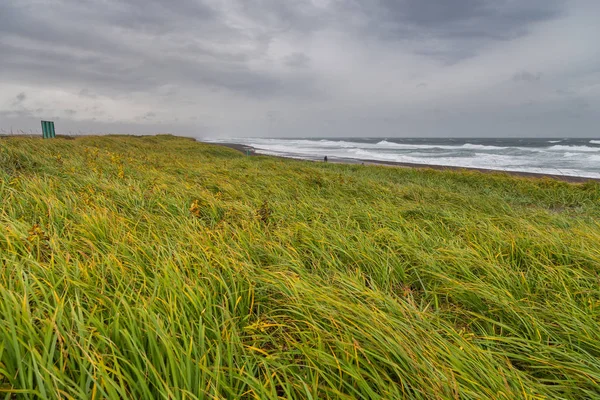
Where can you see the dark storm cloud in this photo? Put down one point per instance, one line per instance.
(85, 42)
(48, 50)
(465, 26)
(44, 66)
(54, 26)
(493, 19)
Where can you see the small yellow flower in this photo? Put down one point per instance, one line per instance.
(36, 233)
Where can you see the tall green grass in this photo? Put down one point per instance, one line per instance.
(162, 268)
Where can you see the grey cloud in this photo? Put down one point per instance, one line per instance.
(281, 16)
(45, 66)
(87, 93)
(526, 76)
(19, 113)
(146, 117)
(20, 98)
(297, 60)
(447, 56)
(578, 107)
(95, 111)
(157, 16)
(564, 92)
(55, 25)
(199, 50)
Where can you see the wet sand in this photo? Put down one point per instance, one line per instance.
(571, 179)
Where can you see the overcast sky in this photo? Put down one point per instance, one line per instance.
(216, 68)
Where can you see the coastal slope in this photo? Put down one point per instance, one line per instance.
(160, 267)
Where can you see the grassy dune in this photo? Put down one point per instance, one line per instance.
(161, 268)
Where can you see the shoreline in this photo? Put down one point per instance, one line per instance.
(565, 178)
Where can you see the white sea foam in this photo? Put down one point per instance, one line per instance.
(583, 149)
(595, 141)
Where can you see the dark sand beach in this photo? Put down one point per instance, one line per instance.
(565, 178)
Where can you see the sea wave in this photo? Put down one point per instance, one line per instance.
(482, 147)
(480, 160)
(385, 143)
(595, 141)
(584, 149)
(333, 143)
(467, 146)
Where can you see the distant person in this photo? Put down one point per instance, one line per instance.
(325, 159)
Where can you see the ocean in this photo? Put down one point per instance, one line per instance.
(572, 157)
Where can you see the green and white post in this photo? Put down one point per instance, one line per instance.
(48, 130)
